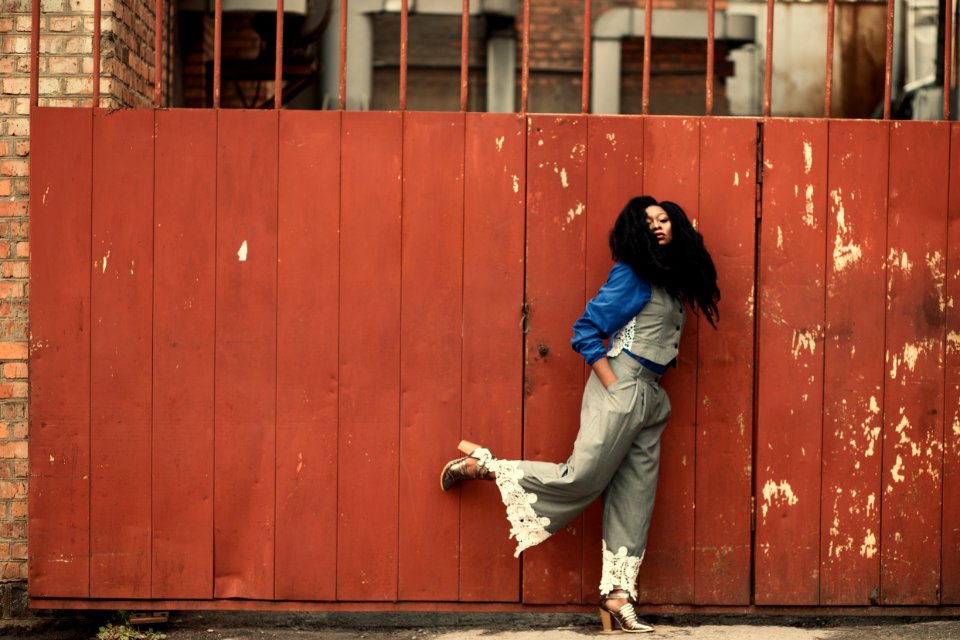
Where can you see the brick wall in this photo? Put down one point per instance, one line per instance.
(66, 64)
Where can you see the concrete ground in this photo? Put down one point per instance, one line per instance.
(450, 626)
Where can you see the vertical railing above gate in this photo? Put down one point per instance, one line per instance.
(525, 56)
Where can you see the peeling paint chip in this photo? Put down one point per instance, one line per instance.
(499, 142)
(242, 253)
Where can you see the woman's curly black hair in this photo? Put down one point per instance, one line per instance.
(683, 267)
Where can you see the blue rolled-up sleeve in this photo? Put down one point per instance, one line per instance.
(620, 298)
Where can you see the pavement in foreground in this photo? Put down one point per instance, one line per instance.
(298, 626)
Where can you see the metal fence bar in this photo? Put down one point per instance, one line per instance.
(647, 42)
(828, 76)
(278, 61)
(404, 37)
(888, 65)
(711, 42)
(947, 57)
(96, 54)
(464, 53)
(525, 58)
(768, 61)
(585, 82)
(217, 37)
(342, 92)
(35, 55)
(157, 53)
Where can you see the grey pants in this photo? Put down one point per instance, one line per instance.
(617, 453)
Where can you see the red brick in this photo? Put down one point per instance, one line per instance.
(13, 350)
(10, 489)
(18, 551)
(21, 468)
(23, 249)
(13, 449)
(11, 289)
(16, 269)
(14, 168)
(13, 208)
(6, 24)
(5, 187)
(13, 529)
(4, 434)
(19, 509)
(15, 370)
(14, 571)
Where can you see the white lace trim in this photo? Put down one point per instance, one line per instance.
(622, 339)
(526, 527)
(619, 571)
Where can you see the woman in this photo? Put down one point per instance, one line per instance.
(660, 264)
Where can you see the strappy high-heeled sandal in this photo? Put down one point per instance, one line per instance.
(626, 615)
(461, 469)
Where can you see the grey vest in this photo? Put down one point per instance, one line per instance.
(654, 333)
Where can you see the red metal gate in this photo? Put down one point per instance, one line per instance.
(256, 337)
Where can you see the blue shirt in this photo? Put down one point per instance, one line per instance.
(620, 298)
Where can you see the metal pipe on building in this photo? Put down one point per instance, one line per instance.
(947, 57)
(35, 55)
(828, 76)
(278, 60)
(647, 41)
(404, 37)
(342, 101)
(464, 53)
(157, 53)
(768, 62)
(585, 82)
(525, 58)
(711, 36)
(96, 54)
(888, 65)
(217, 39)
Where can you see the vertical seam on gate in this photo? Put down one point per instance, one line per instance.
(758, 224)
(336, 462)
(463, 260)
(946, 281)
(396, 583)
(276, 336)
(216, 229)
(153, 313)
(946, 291)
(525, 311)
(586, 245)
(883, 387)
(823, 363)
(93, 149)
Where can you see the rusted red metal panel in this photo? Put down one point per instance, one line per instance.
(121, 354)
(246, 354)
(950, 569)
(368, 438)
(913, 391)
(492, 378)
(671, 168)
(556, 201)
(184, 249)
(431, 305)
(307, 353)
(614, 175)
(853, 362)
(724, 378)
(790, 362)
(61, 148)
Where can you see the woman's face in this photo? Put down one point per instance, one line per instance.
(659, 223)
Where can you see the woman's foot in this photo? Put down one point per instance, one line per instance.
(472, 466)
(616, 605)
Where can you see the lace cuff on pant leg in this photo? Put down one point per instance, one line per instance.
(619, 571)
(526, 527)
